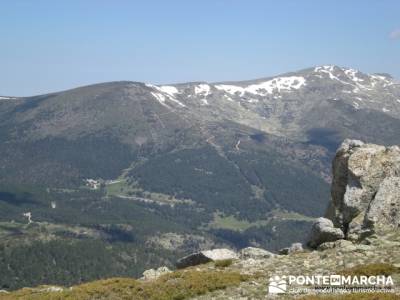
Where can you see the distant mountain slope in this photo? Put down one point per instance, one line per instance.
(185, 165)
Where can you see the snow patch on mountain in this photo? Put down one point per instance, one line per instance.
(6, 98)
(165, 93)
(277, 84)
(352, 77)
(203, 89)
(168, 89)
(204, 101)
(231, 89)
(230, 99)
(159, 97)
(379, 79)
(352, 74)
(329, 70)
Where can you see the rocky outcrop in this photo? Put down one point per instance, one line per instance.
(255, 253)
(323, 231)
(365, 193)
(203, 257)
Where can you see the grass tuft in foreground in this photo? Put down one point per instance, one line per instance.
(223, 263)
(178, 285)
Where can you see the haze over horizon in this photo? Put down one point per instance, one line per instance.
(48, 47)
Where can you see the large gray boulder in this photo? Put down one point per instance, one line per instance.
(323, 231)
(206, 256)
(365, 189)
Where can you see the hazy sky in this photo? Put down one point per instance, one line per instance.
(54, 45)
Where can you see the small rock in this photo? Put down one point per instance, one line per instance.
(342, 244)
(154, 274)
(349, 144)
(54, 289)
(294, 248)
(350, 265)
(323, 231)
(255, 253)
(203, 257)
(363, 248)
(326, 246)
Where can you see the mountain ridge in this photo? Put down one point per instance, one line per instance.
(180, 83)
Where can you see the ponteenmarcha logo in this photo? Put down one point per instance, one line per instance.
(280, 284)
